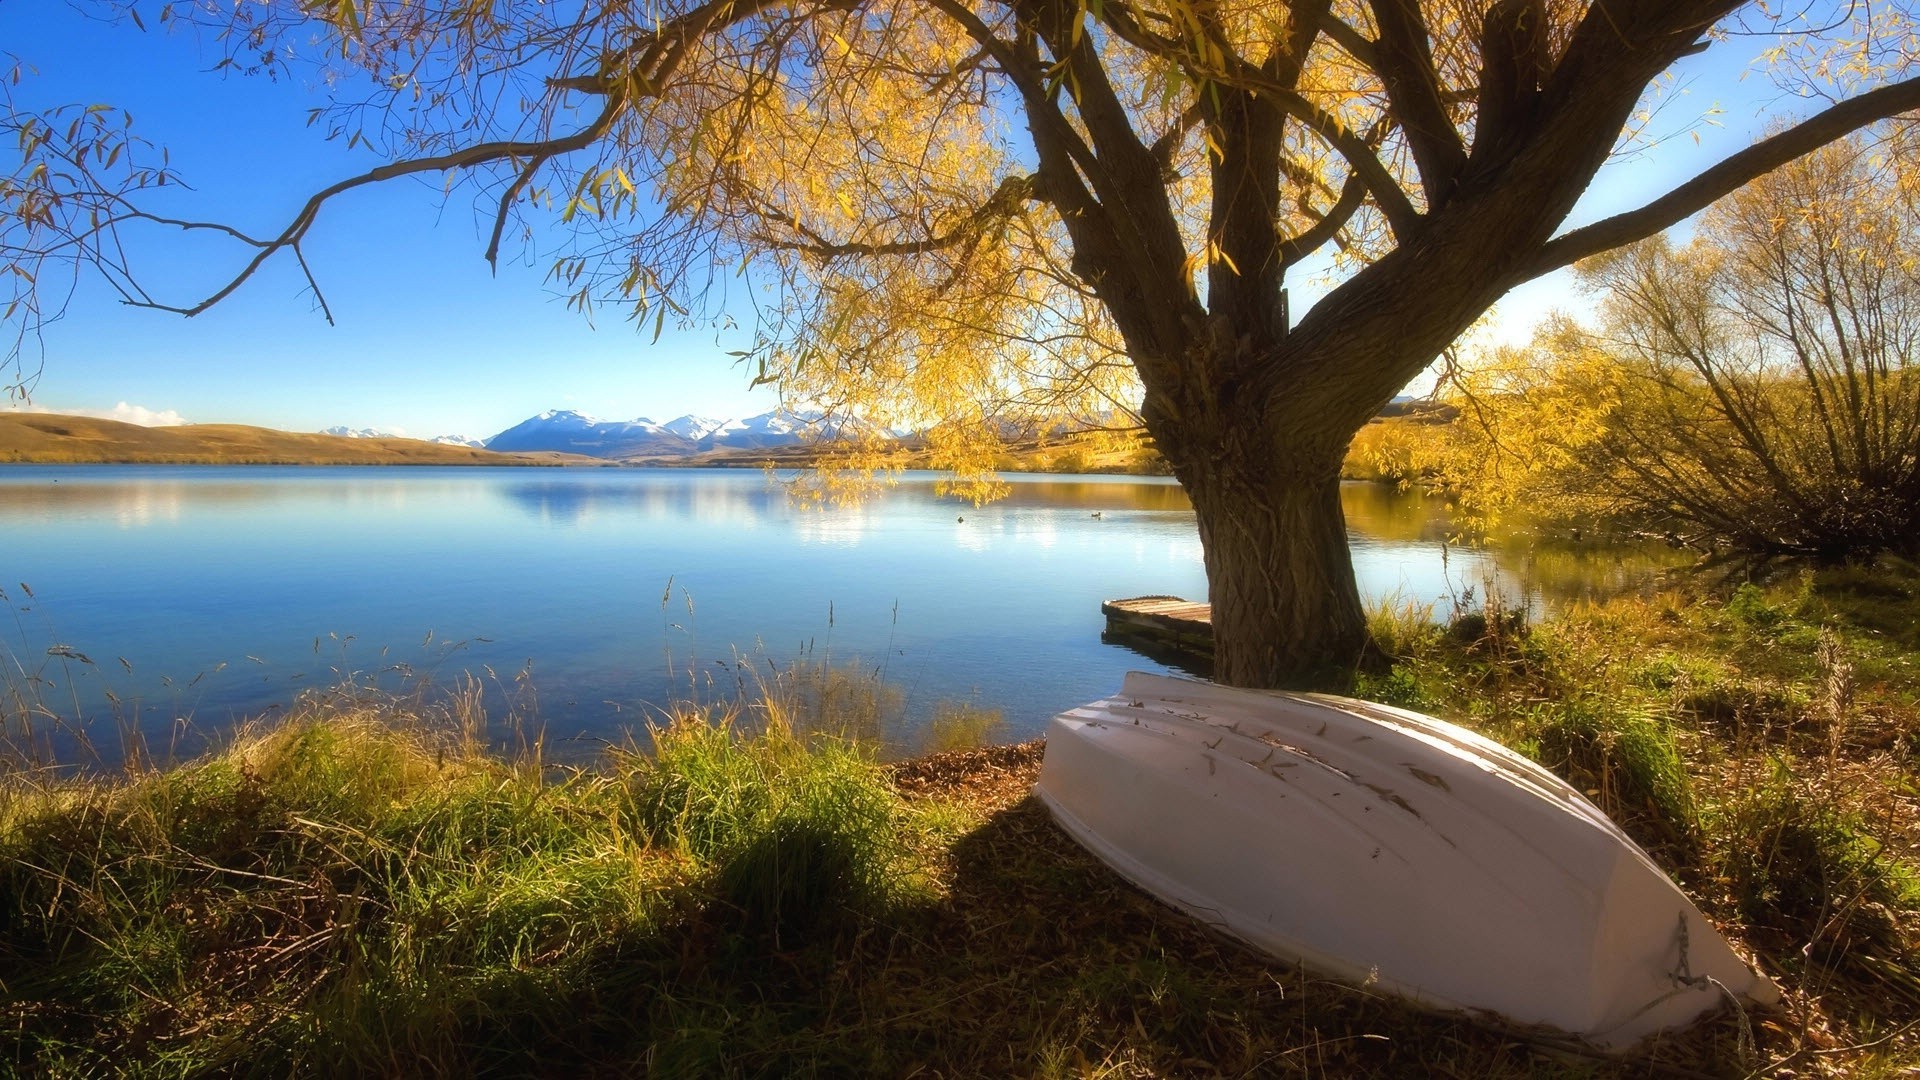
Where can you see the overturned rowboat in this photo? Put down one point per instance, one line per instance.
(1382, 846)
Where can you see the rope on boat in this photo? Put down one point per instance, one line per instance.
(1744, 1045)
(1683, 980)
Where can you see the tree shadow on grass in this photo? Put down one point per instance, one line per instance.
(1039, 961)
(1026, 957)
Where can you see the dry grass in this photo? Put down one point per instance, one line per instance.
(53, 439)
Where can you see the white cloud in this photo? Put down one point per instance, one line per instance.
(123, 412)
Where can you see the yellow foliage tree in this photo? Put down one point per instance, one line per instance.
(953, 212)
(1773, 364)
(1755, 388)
(1528, 418)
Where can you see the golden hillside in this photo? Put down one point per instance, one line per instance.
(51, 438)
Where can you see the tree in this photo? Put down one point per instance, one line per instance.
(914, 256)
(1527, 421)
(1771, 367)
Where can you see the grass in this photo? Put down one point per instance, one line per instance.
(1762, 741)
(754, 893)
(55, 439)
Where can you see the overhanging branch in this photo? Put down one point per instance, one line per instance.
(1006, 201)
(469, 157)
(1722, 179)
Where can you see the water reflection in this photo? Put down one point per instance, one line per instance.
(1379, 512)
(292, 577)
(1104, 493)
(568, 499)
(1559, 573)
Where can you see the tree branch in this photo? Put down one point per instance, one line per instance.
(1352, 41)
(1404, 58)
(478, 154)
(1052, 134)
(1722, 179)
(520, 181)
(1013, 193)
(1393, 202)
(1328, 227)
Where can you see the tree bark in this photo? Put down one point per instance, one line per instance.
(1286, 611)
(1266, 490)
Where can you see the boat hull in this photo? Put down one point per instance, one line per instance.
(1386, 847)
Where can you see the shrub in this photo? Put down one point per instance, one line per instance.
(962, 726)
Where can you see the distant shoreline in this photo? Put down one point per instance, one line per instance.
(53, 439)
(513, 461)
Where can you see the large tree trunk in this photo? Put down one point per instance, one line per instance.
(1264, 479)
(1286, 612)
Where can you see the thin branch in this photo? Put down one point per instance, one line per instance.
(478, 154)
(1051, 132)
(314, 284)
(1006, 201)
(505, 210)
(1328, 227)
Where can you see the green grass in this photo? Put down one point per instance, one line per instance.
(1759, 741)
(340, 890)
(752, 893)
(1626, 761)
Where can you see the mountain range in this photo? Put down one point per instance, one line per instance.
(568, 431)
(344, 432)
(577, 433)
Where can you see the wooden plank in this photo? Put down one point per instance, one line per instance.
(1166, 628)
(1168, 612)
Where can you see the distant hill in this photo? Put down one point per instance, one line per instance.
(48, 437)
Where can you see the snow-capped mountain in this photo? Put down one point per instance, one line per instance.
(774, 428)
(578, 433)
(344, 432)
(694, 427)
(565, 429)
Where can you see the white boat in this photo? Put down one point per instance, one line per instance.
(1389, 848)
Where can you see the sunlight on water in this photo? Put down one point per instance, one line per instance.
(227, 591)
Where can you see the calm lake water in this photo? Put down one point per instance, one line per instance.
(203, 595)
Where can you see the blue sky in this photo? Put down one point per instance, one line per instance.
(428, 340)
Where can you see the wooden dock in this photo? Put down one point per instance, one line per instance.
(1165, 628)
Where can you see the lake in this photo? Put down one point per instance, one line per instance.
(181, 599)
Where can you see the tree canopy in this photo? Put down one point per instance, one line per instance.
(952, 212)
